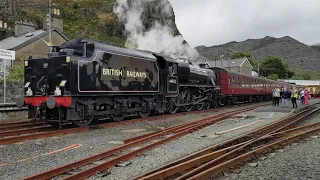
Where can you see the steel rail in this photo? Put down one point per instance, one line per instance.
(24, 137)
(25, 131)
(14, 123)
(18, 126)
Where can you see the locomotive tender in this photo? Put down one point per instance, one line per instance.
(85, 79)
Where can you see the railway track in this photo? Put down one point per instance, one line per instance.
(17, 125)
(84, 168)
(22, 131)
(218, 158)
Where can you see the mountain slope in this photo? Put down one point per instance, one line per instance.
(293, 52)
(316, 47)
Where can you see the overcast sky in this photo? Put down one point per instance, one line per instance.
(214, 22)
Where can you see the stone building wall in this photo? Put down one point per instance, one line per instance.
(13, 91)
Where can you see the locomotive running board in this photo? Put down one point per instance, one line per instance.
(196, 102)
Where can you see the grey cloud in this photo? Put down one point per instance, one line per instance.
(213, 22)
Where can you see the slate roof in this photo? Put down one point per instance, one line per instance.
(15, 43)
(229, 63)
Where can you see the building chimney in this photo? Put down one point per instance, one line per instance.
(5, 30)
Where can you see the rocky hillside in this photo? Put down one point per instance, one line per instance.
(91, 18)
(295, 53)
(97, 19)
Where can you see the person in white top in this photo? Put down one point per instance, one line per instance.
(302, 96)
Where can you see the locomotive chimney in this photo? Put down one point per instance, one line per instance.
(84, 42)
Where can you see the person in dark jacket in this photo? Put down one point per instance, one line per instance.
(294, 97)
(285, 96)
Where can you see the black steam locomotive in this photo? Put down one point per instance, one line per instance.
(85, 79)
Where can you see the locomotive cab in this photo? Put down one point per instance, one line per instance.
(168, 69)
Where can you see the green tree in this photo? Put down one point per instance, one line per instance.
(273, 77)
(306, 76)
(274, 65)
(242, 54)
(290, 73)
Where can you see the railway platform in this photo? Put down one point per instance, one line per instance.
(288, 109)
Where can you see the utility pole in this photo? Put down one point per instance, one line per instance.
(221, 61)
(50, 21)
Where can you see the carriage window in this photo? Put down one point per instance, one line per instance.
(233, 80)
(229, 80)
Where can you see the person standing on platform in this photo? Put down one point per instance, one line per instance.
(306, 97)
(294, 97)
(277, 96)
(273, 98)
(302, 96)
(281, 94)
(285, 97)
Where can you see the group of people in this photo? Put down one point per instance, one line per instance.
(284, 94)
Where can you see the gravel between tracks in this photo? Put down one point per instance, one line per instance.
(91, 142)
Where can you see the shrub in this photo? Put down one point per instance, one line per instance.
(274, 77)
(16, 72)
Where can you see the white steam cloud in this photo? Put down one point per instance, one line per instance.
(159, 38)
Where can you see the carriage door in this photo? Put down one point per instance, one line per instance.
(172, 78)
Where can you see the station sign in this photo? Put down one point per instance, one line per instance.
(7, 54)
